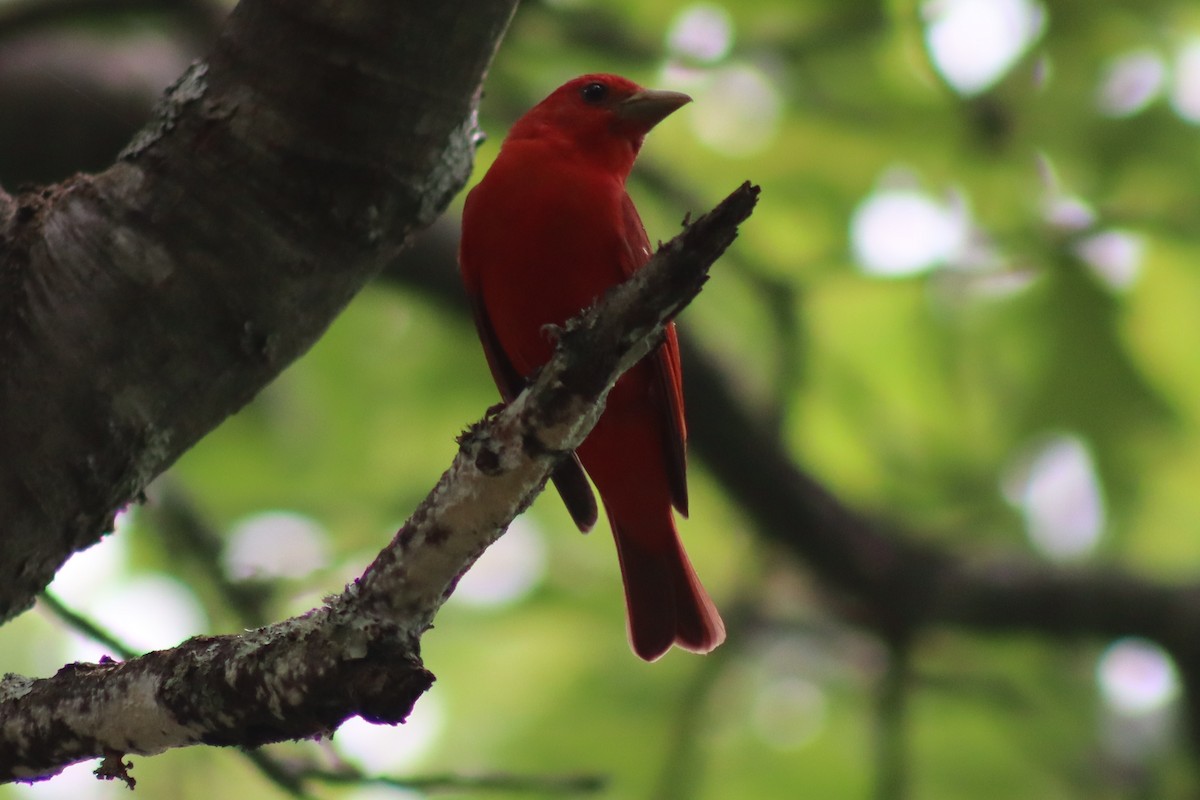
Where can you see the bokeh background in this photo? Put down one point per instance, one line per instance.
(969, 303)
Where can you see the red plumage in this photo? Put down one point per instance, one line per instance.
(546, 232)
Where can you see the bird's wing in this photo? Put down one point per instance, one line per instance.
(569, 477)
(669, 375)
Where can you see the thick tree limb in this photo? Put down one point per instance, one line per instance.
(359, 653)
(141, 306)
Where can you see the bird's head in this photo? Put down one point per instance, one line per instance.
(605, 115)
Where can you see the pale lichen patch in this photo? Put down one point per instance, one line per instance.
(133, 721)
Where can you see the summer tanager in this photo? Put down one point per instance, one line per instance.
(546, 232)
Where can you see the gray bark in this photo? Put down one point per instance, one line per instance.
(142, 305)
(360, 652)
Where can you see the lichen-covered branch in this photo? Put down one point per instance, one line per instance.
(504, 461)
(359, 653)
(880, 575)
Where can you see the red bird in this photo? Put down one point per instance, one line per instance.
(546, 232)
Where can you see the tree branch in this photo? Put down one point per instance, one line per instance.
(359, 653)
(141, 306)
(882, 578)
(540, 785)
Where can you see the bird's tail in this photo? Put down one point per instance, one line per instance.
(665, 601)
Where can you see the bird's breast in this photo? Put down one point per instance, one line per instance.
(548, 242)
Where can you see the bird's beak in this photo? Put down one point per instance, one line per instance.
(647, 108)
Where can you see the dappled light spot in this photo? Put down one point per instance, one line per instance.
(1057, 490)
(1185, 86)
(276, 544)
(388, 749)
(1139, 687)
(508, 570)
(701, 33)
(903, 231)
(382, 792)
(973, 43)
(76, 782)
(1068, 213)
(1115, 256)
(1136, 676)
(737, 109)
(146, 612)
(1060, 208)
(789, 713)
(989, 286)
(1131, 83)
(86, 572)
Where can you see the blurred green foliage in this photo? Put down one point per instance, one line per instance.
(912, 396)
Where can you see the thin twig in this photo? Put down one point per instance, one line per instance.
(682, 772)
(494, 782)
(89, 628)
(278, 773)
(891, 750)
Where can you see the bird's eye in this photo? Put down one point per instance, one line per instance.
(594, 92)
